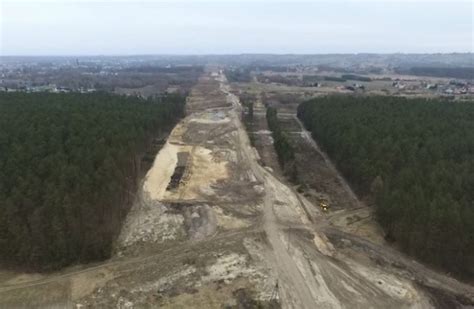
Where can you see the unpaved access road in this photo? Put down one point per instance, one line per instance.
(300, 291)
(307, 136)
(418, 271)
(288, 273)
(271, 245)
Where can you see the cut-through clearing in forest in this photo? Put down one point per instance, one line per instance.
(232, 234)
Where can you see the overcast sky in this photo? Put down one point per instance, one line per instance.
(122, 27)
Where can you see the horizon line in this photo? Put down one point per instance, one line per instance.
(236, 54)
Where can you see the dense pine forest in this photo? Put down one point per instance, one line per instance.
(283, 148)
(69, 167)
(416, 157)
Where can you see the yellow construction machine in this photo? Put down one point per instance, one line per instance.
(324, 205)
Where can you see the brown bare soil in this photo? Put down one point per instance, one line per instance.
(235, 234)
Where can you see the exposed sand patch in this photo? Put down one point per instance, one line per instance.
(217, 117)
(228, 268)
(324, 295)
(159, 175)
(287, 207)
(229, 222)
(206, 168)
(150, 224)
(392, 286)
(323, 244)
(311, 272)
(176, 135)
(204, 171)
(266, 132)
(210, 121)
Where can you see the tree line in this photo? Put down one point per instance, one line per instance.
(416, 158)
(247, 100)
(69, 167)
(283, 148)
(240, 75)
(454, 72)
(356, 77)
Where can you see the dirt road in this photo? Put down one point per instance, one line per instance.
(301, 291)
(418, 271)
(296, 291)
(232, 232)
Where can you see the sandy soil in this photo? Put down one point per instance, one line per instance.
(233, 234)
(159, 175)
(204, 171)
(228, 221)
(360, 222)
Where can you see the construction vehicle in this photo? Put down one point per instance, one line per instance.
(324, 205)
